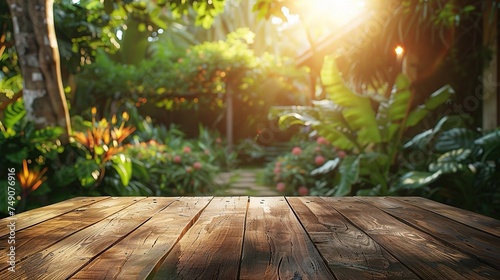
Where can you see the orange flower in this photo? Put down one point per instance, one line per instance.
(120, 133)
(103, 135)
(31, 179)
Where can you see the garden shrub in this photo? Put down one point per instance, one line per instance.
(306, 169)
(457, 165)
(170, 164)
(108, 156)
(172, 171)
(195, 84)
(30, 152)
(369, 126)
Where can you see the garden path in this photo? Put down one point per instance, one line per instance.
(243, 182)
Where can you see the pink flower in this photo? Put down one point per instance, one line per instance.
(277, 170)
(197, 165)
(186, 150)
(281, 187)
(319, 160)
(177, 159)
(296, 151)
(303, 190)
(189, 169)
(341, 154)
(322, 141)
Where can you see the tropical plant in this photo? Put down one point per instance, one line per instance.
(99, 150)
(370, 126)
(461, 167)
(20, 144)
(445, 42)
(29, 180)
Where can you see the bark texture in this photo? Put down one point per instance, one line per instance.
(36, 45)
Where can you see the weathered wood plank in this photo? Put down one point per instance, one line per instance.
(350, 253)
(67, 256)
(466, 239)
(423, 254)
(211, 248)
(276, 246)
(35, 216)
(471, 219)
(40, 236)
(135, 256)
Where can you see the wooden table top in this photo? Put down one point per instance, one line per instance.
(250, 238)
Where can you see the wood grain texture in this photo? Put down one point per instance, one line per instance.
(253, 238)
(211, 248)
(423, 254)
(276, 246)
(136, 256)
(471, 219)
(69, 255)
(469, 240)
(36, 238)
(35, 216)
(350, 253)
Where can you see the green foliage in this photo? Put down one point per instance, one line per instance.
(370, 126)
(9, 86)
(308, 168)
(461, 167)
(173, 165)
(13, 114)
(100, 148)
(82, 28)
(197, 80)
(85, 26)
(171, 171)
(201, 71)
(20, 141)
(103, 159)
(214, 146)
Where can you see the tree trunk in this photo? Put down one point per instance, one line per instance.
(36, 46)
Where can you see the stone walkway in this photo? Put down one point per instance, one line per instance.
(243, 183)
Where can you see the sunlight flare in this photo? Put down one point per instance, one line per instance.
(399, 50)
(339, 11)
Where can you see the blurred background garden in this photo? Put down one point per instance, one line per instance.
(319, 97)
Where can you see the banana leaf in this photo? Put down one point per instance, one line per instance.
(357, 109)
(436, 99)
(349, 171)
